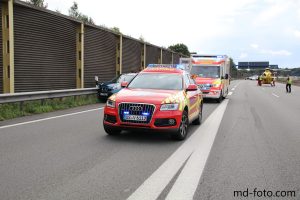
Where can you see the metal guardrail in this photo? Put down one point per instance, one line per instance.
(30, 96)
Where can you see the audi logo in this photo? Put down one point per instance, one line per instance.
(136, 108)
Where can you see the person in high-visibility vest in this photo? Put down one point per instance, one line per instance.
(259, 80)
(288, 85)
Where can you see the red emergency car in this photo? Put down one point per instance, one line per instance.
(161, 98)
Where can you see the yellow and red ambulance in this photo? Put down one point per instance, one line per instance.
(211, 73)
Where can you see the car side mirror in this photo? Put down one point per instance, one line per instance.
(96, 81)
(226, 76)
(192, 87)
(124, 84)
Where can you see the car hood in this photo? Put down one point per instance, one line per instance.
(110, 85)
(147, 96)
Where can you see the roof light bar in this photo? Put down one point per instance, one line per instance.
(175, 66)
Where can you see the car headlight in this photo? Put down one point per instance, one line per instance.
(169, 106)
(110, 103)
(115, 87)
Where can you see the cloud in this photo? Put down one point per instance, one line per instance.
(254, 46)
(272, 12)
(296, 33)
(276, 53)
(243, 55)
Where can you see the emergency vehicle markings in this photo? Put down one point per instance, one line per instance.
(194, 152)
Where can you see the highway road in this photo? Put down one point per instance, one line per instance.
(251, 141)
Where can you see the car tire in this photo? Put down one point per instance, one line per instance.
(219, 100)
(198, 120)
(181, 133)
(110, 130)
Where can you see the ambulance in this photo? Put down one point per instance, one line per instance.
(211, 73)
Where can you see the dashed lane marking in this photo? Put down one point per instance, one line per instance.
(275, 95)
(230, 93)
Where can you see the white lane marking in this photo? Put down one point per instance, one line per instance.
(44, 119)
(237, 84)
(233, 89)
(230, 93)
(187, 182)
(155, 184)
(275, 95)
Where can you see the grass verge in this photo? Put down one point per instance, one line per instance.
(13, 110)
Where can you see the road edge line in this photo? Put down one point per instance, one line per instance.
(48, 118)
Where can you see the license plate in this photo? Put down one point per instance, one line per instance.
(103, 94)
(135, 118)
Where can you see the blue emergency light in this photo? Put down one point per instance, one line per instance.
(175, 66)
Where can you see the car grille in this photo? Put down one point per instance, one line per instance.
(104, 89)
(136, 109)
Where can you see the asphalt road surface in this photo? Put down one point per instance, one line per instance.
(251, 141)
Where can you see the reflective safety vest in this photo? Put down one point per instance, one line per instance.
(289, 81)
(260, 78)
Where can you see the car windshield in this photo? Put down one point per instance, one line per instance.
(123, 77)
(157, 81)
(206, 71)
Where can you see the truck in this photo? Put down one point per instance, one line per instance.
(211, 73)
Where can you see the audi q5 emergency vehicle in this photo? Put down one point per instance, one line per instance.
(161, 98)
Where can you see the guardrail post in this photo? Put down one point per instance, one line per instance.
(119, 53)
(143, 56)
(160, 57)
(80, 56)
(8, 47)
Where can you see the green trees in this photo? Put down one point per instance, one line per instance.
(38, 3)
(116, 30)
(233, 69)
(180, 48)
(74, 12)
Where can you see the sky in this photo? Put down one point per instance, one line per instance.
(246, 30)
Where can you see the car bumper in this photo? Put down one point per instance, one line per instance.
(212, 94)
(104, 95)
(111, 118)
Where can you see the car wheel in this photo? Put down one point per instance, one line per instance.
(183, 128)
(199, 118)
(111, 131)
(219, 100)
